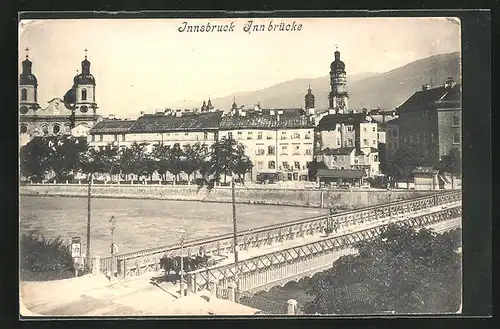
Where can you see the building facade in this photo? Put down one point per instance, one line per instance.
(73, 115)
(279, 142)
(430, 122)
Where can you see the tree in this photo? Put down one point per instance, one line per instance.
(34, 160)
(403, 161)
(313, 167)
(175, 161)
(161, 154)
(403, 270)
(99, 161)
(242, 164)
(451, 162)
(190, 160)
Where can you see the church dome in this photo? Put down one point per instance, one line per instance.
(337, 64)
(70, 96)
(26, 78)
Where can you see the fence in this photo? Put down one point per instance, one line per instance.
(262, 303)
(146, 260)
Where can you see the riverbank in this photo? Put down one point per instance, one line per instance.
(342, 199)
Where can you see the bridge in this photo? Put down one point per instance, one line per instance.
(297, 244)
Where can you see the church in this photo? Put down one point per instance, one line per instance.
(74, 114)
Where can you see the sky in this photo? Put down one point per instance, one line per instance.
(147, 64)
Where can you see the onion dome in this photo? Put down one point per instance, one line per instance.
(204, 106)
(84, 78)
(26, 78)
(337, 64)
(209, 104)
(309, 95)
(70, 96)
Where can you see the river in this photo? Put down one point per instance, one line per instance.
(143, 224)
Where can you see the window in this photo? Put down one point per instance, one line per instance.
(364, 128)
(296, 150)
(285, 165)
(24, 94)
(205, 135)
(249, 135)
(230, 135)
(456, 120)
(307, 135)
(375, 158)
(374, 129)
(374, 142)
(45, 129)
(101, 138)
(296, 165)
(123, 137)
(23, 129)
(283, 135)
(338, 128)
(23, 109)
(93, 138)
(269, 136)
(308, 151)
(356, 161)
(84, 94)
(271, 165)
(84, 109)
(186, 134)
(284, 149)
(261, 152)
(240, 133)
(259, 135)
(260, 165)
(341, 158)
(349, 128)
(334, 158)
(456, 138)
(338, 142)
(296, 136)
(271, 150)
(365, 142)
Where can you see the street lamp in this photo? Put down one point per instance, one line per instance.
(112, 221)
(235, 236)
(183, 232)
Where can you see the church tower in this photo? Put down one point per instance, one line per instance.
(84, 88)
(28, 87)
(309, 101)
(338, 97)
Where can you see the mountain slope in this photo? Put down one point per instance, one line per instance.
(385, 90)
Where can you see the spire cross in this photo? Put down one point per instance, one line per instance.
(336, 47)
(85, 53)
(27, 52)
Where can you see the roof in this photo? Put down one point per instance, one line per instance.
(328, 122)
(337, 151)
(340, 173)
(432, 98)
(111, 126)
(290, 118)
(152, 123)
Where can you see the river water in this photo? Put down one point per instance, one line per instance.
(143, 224)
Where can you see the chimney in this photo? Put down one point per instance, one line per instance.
(271, 112)
(449, 82)
(426, 87)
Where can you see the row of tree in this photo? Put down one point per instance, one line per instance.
(66, 157)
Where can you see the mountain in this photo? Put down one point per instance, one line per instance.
(371, 90)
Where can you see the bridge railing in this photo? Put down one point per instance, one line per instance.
(146, 260)
(262, 303)
(285, 263)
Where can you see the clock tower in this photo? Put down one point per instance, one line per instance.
(338, 97)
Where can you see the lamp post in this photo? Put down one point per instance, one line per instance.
(112, 221)
(235, 236)
(183, 232)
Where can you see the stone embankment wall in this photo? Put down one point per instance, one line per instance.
(343, 199)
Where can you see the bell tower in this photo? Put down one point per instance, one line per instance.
(84, 88)
(28, 87)
(338, 98)
(309, 101)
